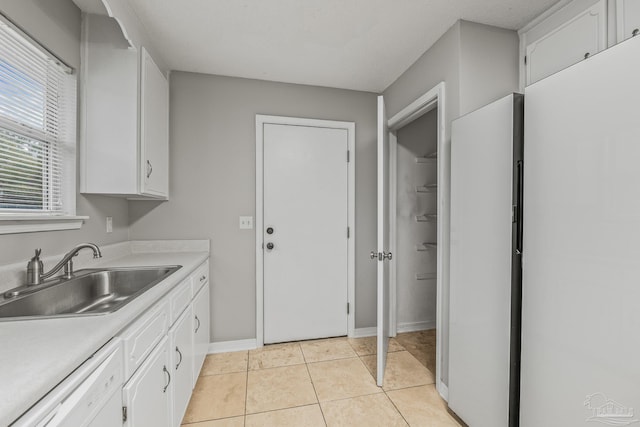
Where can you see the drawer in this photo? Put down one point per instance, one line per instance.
(200, 277)
(179, 299)
(142, 336)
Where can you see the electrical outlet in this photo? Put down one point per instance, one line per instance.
(246, 222)
(109, 224)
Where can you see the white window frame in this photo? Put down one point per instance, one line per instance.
(25, 222)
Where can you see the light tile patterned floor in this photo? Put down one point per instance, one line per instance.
(322, 383)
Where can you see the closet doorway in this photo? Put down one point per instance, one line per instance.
(418, 195)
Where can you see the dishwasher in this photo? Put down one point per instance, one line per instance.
(91, 396)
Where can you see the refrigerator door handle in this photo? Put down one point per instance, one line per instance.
(519, 202)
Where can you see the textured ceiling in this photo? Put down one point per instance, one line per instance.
(352, 44)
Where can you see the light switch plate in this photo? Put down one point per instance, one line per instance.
(246, 222)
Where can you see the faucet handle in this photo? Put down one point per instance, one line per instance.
(35, 268)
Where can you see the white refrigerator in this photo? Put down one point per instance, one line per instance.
(581, 252)
(485, 278)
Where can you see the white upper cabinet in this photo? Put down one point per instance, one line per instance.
(124, 115)
(154, 128)
(627, 19)
(565, 37)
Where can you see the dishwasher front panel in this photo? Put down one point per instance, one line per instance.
(89, 397)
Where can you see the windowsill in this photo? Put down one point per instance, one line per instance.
(25, 223)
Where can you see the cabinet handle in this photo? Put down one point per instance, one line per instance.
(202, 278)
(149, 168)
(179, 361)
(586, 55)
(197, 327)
(164, 368)
(635, 32)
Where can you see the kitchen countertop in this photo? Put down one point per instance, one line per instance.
(36, 355)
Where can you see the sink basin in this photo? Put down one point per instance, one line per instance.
(89, 292)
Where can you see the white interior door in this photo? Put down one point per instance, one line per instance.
(305, 232)
(382, 256)
(581, 269)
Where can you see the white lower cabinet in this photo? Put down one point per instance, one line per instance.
(147, 395)
(200, 329)
(158, 393)
(181, 344)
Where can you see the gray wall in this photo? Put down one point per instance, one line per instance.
(56, 24)
(488, 64)
(478, 64)
(212, 149)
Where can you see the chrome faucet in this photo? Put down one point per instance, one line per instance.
(35, 270)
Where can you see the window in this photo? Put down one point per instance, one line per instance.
(37, 130)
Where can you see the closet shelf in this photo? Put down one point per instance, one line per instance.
(429, 188)
(426, 276)
(427, 218)
(426, 246)
(428, 158)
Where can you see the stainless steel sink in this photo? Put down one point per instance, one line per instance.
(89, 292)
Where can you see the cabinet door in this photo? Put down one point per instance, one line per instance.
(573, 41)
(147, 395)
(154, 129)
(181, 350)
(628, 18)
(200, 329)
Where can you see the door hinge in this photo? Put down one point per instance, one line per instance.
(348, 156)
(514, 213)
(348, 307)
(348, 232)
(124, 414)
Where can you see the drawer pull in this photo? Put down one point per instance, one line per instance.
(164, 369)
(197, 327)
(179, 361)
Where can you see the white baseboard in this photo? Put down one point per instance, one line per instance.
(227, 346)
(364, 332)
(416, 326)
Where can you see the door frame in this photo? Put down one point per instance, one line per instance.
(434, 98)
(350, 127)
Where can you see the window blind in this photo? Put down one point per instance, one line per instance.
(37, 125)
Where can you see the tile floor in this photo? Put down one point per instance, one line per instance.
(321, 383)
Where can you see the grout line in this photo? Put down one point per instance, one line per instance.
(397, 409)
(246, 393)
(282, 409)
(355, 397)
(306, 365)
(210, 419)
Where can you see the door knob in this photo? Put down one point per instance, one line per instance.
(387, 255)
(373, 255)
(270, 230)
(270, 245)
